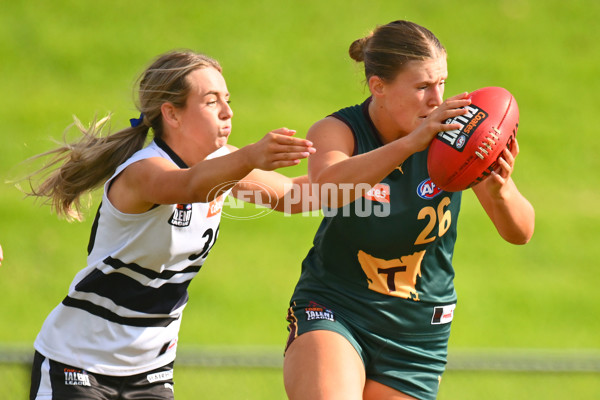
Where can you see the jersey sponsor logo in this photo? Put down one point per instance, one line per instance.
(443, 314)
(76, 377)
(167, 346)
(457, 138)
(215, 206)
(315, 311)
(182, 215)
(428, 190)
(160, 376)
(379, 192)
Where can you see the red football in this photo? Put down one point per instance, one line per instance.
(461, 158)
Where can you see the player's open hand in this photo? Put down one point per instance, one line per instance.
(279, 148)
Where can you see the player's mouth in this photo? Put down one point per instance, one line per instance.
(427, 114)
(225, 131)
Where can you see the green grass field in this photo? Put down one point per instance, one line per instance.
(286, 64)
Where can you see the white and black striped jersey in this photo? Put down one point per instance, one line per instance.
(123, 311)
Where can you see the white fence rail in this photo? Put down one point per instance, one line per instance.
(533, 360)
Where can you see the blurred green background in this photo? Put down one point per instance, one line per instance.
(286, 64)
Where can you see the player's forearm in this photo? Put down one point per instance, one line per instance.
(212, 177)
(355, 173)
(512, 214)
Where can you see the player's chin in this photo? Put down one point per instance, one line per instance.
(222, 141)
(408, 126)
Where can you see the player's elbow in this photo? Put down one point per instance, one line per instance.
(521, 235)
(519, 240)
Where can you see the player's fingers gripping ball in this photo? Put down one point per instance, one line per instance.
(461, 158)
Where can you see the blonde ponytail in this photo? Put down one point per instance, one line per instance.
(84, 165)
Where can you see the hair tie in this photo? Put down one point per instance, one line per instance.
(135, 122)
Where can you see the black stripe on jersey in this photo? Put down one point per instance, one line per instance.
(165, 147)
(148, 273)
(111, 316)
(129, 293)
(94, 230)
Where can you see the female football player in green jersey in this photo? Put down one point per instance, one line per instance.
(370, 316)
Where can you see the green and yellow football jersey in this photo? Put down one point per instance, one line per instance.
(390, 251)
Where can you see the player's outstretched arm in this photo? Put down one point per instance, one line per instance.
(158, 181)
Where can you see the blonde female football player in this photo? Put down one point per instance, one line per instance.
(114, 336)
(370, 316)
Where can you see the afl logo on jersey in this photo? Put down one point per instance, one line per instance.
(182, 215)
(428, 190)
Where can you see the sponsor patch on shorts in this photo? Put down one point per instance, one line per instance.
(443, 314)
(76, 377)
(160, 376)
(316, 311)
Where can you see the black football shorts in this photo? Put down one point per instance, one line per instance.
(51, 380)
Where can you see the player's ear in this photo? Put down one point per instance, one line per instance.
(376, 86)
(169, 114)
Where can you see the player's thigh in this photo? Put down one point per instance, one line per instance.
(377, 391)
(323, 365)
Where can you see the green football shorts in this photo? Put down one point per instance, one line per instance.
(412, 362)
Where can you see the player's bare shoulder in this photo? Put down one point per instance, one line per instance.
(330, 133)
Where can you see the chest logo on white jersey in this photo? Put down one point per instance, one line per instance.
(182, 215)
(215, 206)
